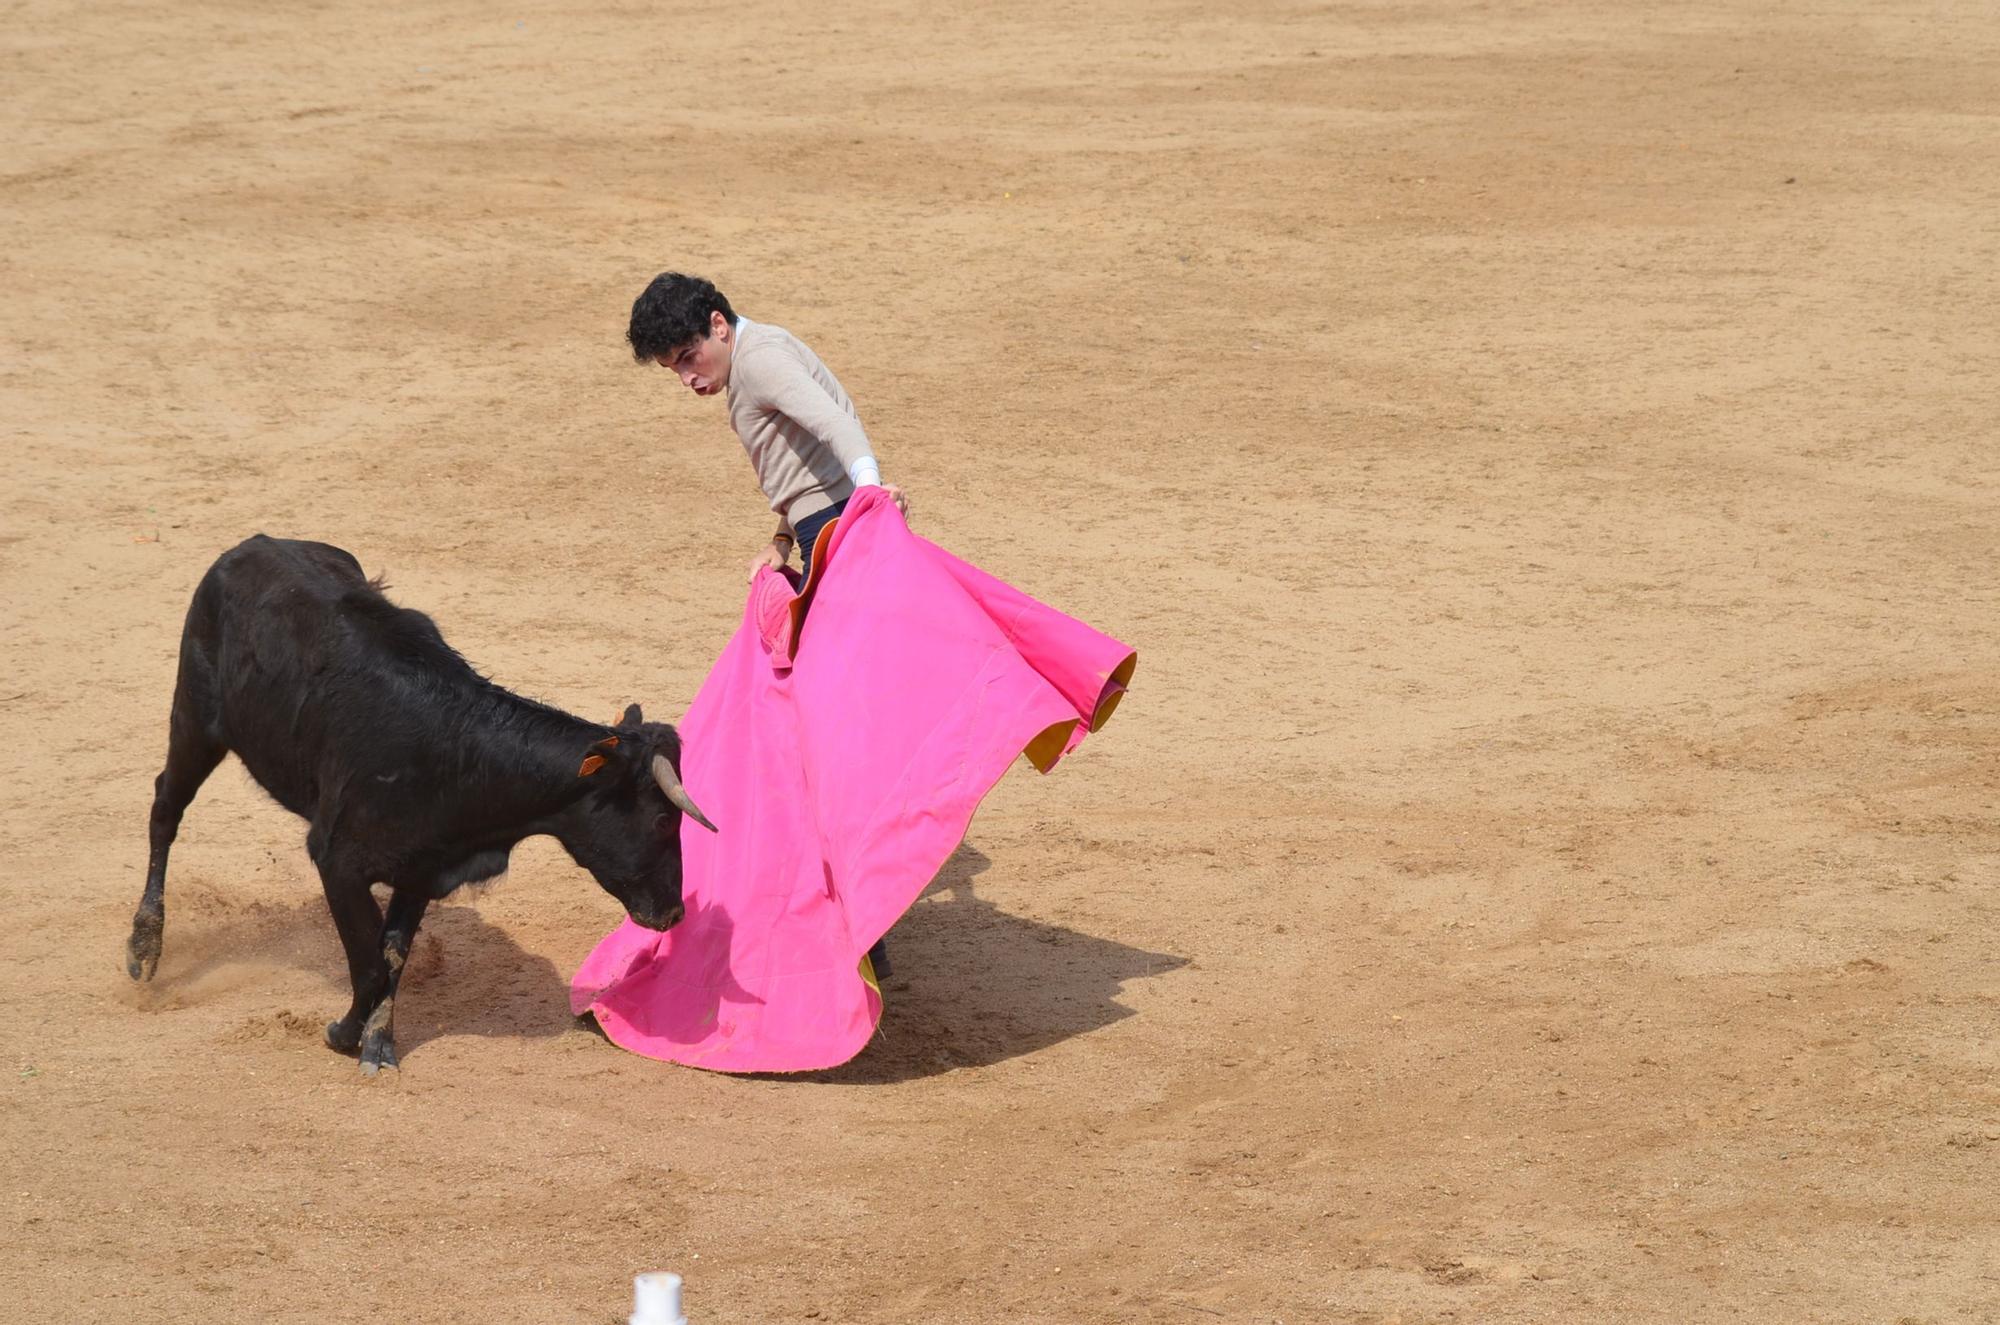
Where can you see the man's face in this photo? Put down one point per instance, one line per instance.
(703, 365)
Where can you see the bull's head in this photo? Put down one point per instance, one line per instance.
(626, 829)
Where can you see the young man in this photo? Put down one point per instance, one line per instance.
(793, 417)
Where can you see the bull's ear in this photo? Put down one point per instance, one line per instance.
(631, 718)
(592, 760)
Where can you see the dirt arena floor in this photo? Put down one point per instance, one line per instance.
(1543, 452)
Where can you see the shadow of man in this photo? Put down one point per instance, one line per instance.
(977, 986)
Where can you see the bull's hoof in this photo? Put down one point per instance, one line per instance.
(341, 1037)
(378, 1040)
(142, 950)
(378, 1054)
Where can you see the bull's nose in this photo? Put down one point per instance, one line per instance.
(666, 920)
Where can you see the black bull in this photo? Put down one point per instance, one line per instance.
(411, 769)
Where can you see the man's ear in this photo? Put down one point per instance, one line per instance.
(631, 718)
(717, 323)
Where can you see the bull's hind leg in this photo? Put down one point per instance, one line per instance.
(193, 751)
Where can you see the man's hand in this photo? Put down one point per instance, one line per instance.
(774, 555)
(896, 495)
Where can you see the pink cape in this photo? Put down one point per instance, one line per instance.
(841, 752)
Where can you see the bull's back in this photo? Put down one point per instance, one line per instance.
(261, 567)
(266, 626)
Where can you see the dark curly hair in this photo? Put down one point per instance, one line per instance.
(672, 313)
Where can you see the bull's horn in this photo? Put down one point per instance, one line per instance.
(670, 782)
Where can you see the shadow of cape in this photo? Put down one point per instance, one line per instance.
(974, 986)
(465, 975)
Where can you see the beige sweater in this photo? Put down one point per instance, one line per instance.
(795, 421)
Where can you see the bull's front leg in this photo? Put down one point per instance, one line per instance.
(359, 921)
(378, 1033)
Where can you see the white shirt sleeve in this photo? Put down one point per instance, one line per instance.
(865, 473)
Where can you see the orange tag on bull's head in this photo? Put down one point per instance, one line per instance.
(591, 763)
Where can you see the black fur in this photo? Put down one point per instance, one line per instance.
(411, 769)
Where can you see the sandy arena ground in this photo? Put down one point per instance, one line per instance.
(1543, 452)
